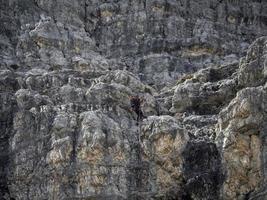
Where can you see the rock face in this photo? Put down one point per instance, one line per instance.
(68, 68)
(241, 129)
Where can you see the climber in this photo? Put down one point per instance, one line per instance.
(136, 107)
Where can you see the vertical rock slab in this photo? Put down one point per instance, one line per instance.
(163, 141)
(241, 136)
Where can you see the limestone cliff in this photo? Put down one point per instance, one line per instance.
(68, 68)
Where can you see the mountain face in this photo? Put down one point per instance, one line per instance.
(67, 72)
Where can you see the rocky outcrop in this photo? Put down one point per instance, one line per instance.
(241, 130)
(163, 142)
(205, 92)
(241, 126)
(68, 68)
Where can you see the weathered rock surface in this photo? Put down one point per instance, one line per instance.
(241, 129)
(68, 68)
(204, 92)
(241, 126)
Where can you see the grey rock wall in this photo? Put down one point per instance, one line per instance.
(68, 68)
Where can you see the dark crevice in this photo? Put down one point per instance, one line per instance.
(6, 124)
(202, 170)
